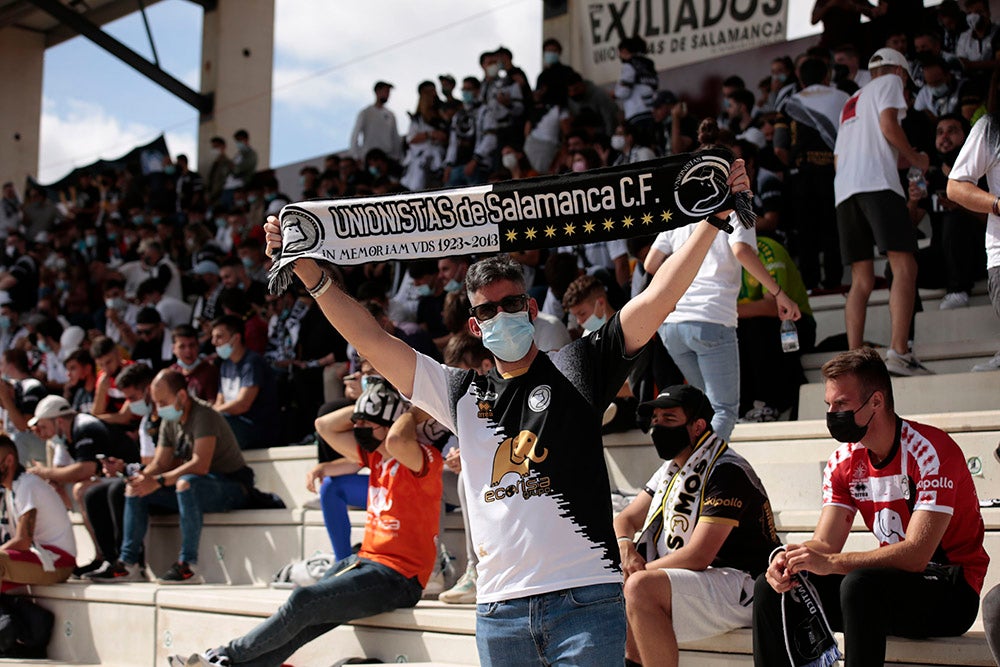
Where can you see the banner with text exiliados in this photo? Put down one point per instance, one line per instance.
(677, 32)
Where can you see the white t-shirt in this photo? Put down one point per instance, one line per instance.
(550, 333)
(972, 48)
(977, 158)
(547, 128)
(52, 524)
(173, 311)
(533, 464)
(866, 161)
(712, 295)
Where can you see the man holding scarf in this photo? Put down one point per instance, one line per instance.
(913, 489)
(704, 527)
(531, 448)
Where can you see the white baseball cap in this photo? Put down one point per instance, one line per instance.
(886, 57)
(50, 407)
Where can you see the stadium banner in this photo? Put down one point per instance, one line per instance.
(677, 32)
(544, 212)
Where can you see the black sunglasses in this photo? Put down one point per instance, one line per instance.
(514, 303)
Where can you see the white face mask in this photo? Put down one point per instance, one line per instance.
(509, 161)
(618, 142)
(492, 71)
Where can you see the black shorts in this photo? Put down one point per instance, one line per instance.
(870, 219)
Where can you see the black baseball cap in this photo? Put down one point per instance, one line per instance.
(687, 397)
(382, 84)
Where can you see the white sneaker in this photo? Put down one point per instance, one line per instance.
(991, 365)
(760, 412)
(955, 300)
(904, 364)
(444, 572)
(464, 590)
(209, 658)
(435, 585)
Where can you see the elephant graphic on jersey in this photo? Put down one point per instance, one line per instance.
(888, 526)
(515, 454)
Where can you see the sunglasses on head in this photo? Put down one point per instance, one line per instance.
(514, 303)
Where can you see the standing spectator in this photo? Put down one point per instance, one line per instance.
(554, 79)
(804, 141)
(847, 56)
(473, 141)
(202, 376)
(172, 310)
(977, 159)
(975, 45)
(375, 127)
(426, 141)
(637, 83)
(587, 97)
(218, 173)
(246, 397)
(10, 210)
(871, 206)
(503, 97)
(841, 20)
(700, 333)
(40, 214)
(243, 168)
(939, 95)
(197, 468)
(190, 186)
(913, 489)
(41, 548)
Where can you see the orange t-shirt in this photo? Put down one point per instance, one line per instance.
(404, 510)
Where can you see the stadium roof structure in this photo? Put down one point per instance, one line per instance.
(60, 20)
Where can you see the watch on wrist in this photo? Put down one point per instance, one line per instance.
(161, 480)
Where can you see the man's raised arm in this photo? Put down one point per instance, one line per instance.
(392, 358)
(641, 316)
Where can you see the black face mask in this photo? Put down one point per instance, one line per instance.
(365, 437)
(670, 440)
(842, 426)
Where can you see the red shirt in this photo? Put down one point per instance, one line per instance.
(404, 509)
(925, 471)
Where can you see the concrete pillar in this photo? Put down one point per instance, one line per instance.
(22, 53)
(237, 47)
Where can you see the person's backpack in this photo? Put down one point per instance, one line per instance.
(303, 572)
(25, 628)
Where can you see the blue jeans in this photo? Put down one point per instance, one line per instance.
(577, 626)
(207, 493)
(709, 357)
(353, 588)
(335, 495)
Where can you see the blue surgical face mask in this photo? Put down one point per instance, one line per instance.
(247, 263)
(90, 241)
(939, 91)
(138, 219)
(550, 58)
(62, 285)
(4, 322)
(593, 323)
(170, 413)
(220, 222)
(224, 351)
(423, 290)
(43, 347)
(139, 408)
(374, 171)
(187, 366)
(452, 286)
(508, 335)
(468, 96)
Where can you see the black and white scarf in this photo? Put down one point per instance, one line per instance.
(809, 640)
(549, 211)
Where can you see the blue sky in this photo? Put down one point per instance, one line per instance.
(327, 55)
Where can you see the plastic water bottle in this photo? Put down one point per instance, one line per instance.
(914, 175)
(789, 336)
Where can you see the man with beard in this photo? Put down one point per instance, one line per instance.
(956, 256)
(696, 536)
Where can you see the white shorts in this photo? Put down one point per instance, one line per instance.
(709, 603)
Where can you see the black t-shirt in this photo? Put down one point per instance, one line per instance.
(430, 314)
(89, 436)
(318, 338)
(25, 293)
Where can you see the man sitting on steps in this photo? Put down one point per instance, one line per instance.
(397, 553)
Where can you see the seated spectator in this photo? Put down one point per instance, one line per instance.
(197, 467)
(81, 440)
(108, 398)
(693, 566)
(20, 393)
(153, 346)
(251, 255)
(82, 384)
(48, 334)
(11, 330)
(375, 410)
(202, 376)
(940, 94)
(451, 273)
(234, 275)
(395, 559)
(172, 310)
(39, 547)
(209, 287)
(770, 377)
(930, 559)
(104, 501)
(234, 303)
(247, 397)
(120, 315)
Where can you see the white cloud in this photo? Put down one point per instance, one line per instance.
(75, 133)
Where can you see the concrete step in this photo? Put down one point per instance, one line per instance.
(927, 352)
(945, 392)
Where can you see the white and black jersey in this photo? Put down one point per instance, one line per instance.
(533, 464)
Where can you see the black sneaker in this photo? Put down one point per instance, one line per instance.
(116, 572)
(92, 566)
(180, 573)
